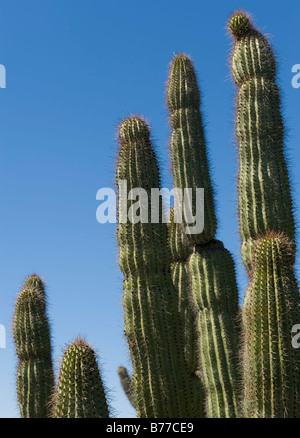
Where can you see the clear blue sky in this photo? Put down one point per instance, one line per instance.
(74, 69)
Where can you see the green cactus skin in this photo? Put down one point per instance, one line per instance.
(271, 308)
(209, 267)
(265, 202)
(188, 148)
(80, 391)
(34, 388)
(181, 248)
(35, 380)
(180, 278)
(127, 384)
(180, 245)
(162, 382)
(216, 298)
(188, 314)
(137, 165)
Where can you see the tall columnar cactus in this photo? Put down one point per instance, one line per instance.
(35, 379)
(80, 392)
(163, 385)
(271, 308)
(271, 377)
(202, 264)
(265, 202)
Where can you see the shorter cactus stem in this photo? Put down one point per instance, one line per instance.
(127, 384)
(35, 380)
(271, 309)
(80, 391)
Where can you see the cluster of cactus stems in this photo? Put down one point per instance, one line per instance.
(79, 392)
(250, 368)
(194, 352)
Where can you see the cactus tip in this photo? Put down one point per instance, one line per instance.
(33, 281)
(181, 57)
(80, 342)
(122, 371)
(133, 128)
(181, 60)
(240, 24)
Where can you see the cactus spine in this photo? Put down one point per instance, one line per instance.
(210, 267)
(35, 379)
(80, 391)
(271, 308)
(162, 382)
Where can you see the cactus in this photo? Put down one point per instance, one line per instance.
(188, 148)
(216, 300)
(271, 308)
(127, 384)
(212, 283)
(265, 202)
(35, 379)
(80, 391)
(163, 385)
(35, 282)
(202, 269)
(182, 318)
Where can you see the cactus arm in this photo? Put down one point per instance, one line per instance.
(271, 308)
(80, 391)
(218, 354)
(265, 202)
(188, 147)
(127, 384)
(35, 380)
(162, 382)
